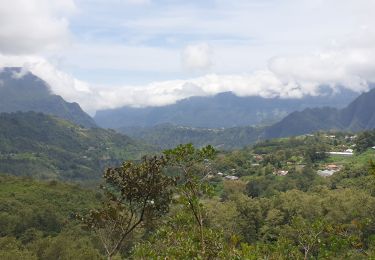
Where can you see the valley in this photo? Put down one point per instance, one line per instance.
(179, 130)
(181, 192)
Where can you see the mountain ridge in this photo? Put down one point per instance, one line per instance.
(20, 91)
(359, 115)
(222, 110)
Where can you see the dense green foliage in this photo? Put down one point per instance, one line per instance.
(43, 146)
(135, 193)
(365, 140)
(36, 220)
(261, 215)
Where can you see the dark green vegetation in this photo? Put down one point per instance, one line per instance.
(183, 207)
(37, 145)
(222, 110)
(135, 193)
(37, 220)
(365, 141)
(27, 92)
(168, 136)
(266, 216)
(357, 116)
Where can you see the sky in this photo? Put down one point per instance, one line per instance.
(112, 53)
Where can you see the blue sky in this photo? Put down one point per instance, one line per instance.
(110, 53)
(158, 32)
(143, 32)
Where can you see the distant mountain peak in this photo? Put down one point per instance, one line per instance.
(20, 90)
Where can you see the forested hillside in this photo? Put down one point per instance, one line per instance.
(265, 201)
(38, 145)
(37, 220)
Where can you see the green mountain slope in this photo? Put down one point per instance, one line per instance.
(30, 93)
(34, 144)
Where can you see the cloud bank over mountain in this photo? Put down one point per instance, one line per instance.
(50, 39)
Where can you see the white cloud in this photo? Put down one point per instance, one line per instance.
(197, 57)
(287, 77)
(244, 35)
(350, 63)
(29, 26)
(60, 83)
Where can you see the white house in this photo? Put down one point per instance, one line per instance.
(341, 153)
(232, 178)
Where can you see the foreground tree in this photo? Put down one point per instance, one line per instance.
(193, 168)
(134, 192)
(308, 235)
